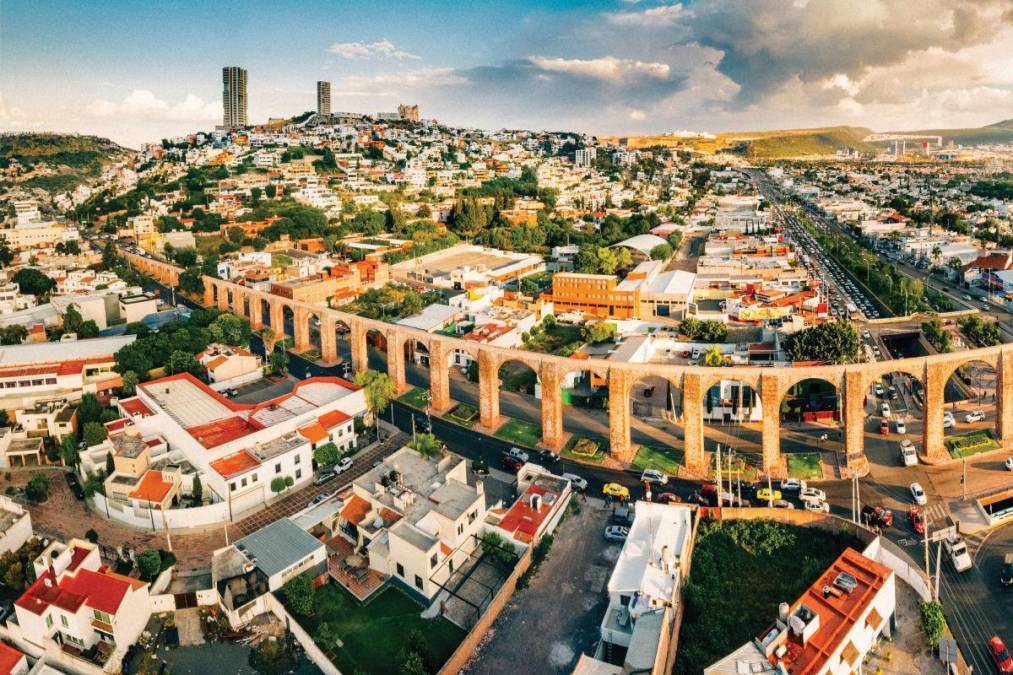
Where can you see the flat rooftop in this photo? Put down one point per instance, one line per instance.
(278, 546)
(55, 352)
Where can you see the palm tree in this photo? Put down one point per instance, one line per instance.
(713, 357)
(270, 339)
(427, 445)
(379, 391)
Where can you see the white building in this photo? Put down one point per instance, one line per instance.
(584, 157)
(11, 299)
(15, 525)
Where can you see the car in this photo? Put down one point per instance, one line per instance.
(974, 416)
(884, 410)
(511, 463)
(319, 498)
(901, 427)
(616, 533)
(1009, 463)
(878, 390)
(615, 490)
(811, 494)
(653, 476)
(576, 482)
(343, 465)
(649, 392)
(783, 504)
(1006, 573)
(1000, 655)
(957, 550)
(766, 495)
(816, 506)
(793, 485)
(708, 496)
(480, 466)
(884, 427)
(948, 420)
(908, 456)
(517, 453)
(668, 498)
(917, 520)
(966, 297)
(892, 393)
(918, 494)
(867, 335)
(323, 477)
(547, 457)
(75, 485)
(623, 514)
(877, 516)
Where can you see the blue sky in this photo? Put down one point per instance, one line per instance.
(139, 70)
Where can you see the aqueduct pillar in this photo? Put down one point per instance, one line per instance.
(1004, 397)
(360, 354)
(936, 375)
(552, 405)
(854, 394)
(692, 413)
(395, 361)
(620, 383)
(488, 389)
(301, 330)
(328, 340)
(439, 376)
(256, 317)
(770, 402)
(277, 317)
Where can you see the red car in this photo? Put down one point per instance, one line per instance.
(884, 427)
(668, 498)
(1003, 662)
(914, 514)
(511, 463)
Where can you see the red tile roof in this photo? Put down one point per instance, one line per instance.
(77, 557)
(9, 659)
(333, 419)
(98, 590)
(152, 488)
(355, 510)
(314, 433)
(524, 521)
(219, 432)
(233, 465)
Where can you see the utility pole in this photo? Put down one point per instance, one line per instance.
(939, 564)
(963, 477)
(925, 540)
(717, 458)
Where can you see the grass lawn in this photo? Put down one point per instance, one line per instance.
(415, 397)
(744, 467)
(464, 415)
(374, 634)
(970, 444)
(664, 459)
(311, 354)
(208, 245)
(520, 432)
(779, 561)
(515, 376)
(558, 339)
(805, 465)
(583, 449)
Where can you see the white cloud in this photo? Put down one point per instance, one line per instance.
(425, 77)
(608, 68)
(655, 17)
(143, 104)
(638, 115)
(383, 49)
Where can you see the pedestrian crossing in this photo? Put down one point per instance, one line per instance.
(935, 515)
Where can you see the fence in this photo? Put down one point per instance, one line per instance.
(886, 553)
(312, 651)
(154, 519)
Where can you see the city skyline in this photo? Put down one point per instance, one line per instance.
(594, 66)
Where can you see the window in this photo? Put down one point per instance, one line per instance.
(253, 479)
(63, 620)
(432, 561)
(102, 616)
(243, 482)
(277, 467)
(298, 474)
(341, 432)
(460, 529)
(472, 516)
(418, 582)
(298, 458)
(451, 563)
(624, 600)
(49, 620)
(232, 486)
(400, 570)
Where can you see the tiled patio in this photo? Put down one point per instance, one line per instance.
(360, 582)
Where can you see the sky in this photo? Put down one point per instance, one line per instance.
(137, 71)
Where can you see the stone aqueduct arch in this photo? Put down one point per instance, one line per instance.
(852, 381)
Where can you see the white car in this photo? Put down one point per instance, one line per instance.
(576, 482)
(878, 390)
(616, 533)
(344, 465)
(816, 507)
(1009, 463)
(884, 410)
(653, 476)
(918, 494)
(517, 453)
(908, 456)
(812, 495)
(948, 420)
(957, 550)
(974, 416)
(901, 427)
(793, 485)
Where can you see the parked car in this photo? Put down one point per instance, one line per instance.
(917, 520)
(783, 504)
(878, 390)
(816, 506)
(708, 496)
(884, 427)
(908, 456)
(884, 410)
(948, 420)
(793, 485)
(576, 482)
(343, 465)
(766, 494)
(616, 533)
(957, 550)
(480, 466)
(319, 498)
(974, 416)
(1000, 655)
(653, 476)
(75, 485)
(616, 490)
(1006, 573)
(877, 516)
(918, 494)
(511, 463)
(668, 498)
(901, 427)
(324, 476)
(892, 394)
(623, 514)
(1009, 463)
(547, 457)
(812, 495)
(517, 453)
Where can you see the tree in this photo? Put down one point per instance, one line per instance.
(88, 329)
(379, 390)
(271, 191)
(933, 621)
(255, 194)
(89, 409)
(230, 329)
(197, 491)
(68, 450)
(427, 445)
(37, 488)
(109, 257)
(185, 362)
(130, 382)
(185, 257)
(599, 332)
(191, 282)
(110, 464)
(6, 254)
(91, 535)
(278, 485)
(661, 252)
(327, 454)
(149, 564)
(72, 320)
(832, 342)
(5, 420)
(33, 282)
(300, 594)
(586, 259)
(14, 334)
(278, 362)
(714, 357)
(94, 433)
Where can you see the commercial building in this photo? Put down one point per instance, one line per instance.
(234, 101)
(323, 97)
(584, 157)
(137, 306)
(467, 266)
(594, 295)
(409, 113)
(37, 235)
(829, 630)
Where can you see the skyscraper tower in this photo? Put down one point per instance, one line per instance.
(323, 98)
(234, 97)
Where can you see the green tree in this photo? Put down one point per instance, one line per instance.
(427, 445)
(278, 362)
(91, 535)
(191, 282)
(94, 433)
(6, 254)
(599, 332)
(109, 257)
(379, 390)
(255, 194)
(197, 491)
(714, 357)
(185, 362)
(88, 329)
(230, 329)
(68, 450)
(110, 464)
(933, 622)
(327, 454)
(278, 484)
(273, 657)
(300, 595)
(149, 564)
(33, 282)
(833, 342)
(89, 409)
(661, 252)
(130, 382)
(271, 191)
(37, 488)
(14, 334)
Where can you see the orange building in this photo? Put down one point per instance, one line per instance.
(594, 295)
(312, 289)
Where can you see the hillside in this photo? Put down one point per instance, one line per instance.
(777, 144)
(55, 162)
(1000, 132)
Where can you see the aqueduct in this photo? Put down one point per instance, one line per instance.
(852, 381)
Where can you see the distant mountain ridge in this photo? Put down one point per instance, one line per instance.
(57, 162)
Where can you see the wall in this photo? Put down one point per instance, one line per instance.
(178, 519)
(884, 552)
(312, 651)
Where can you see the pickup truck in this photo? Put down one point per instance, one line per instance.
(957, 550)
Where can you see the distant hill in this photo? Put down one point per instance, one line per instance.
(56, 162)
(1000, 132)
(777, 144)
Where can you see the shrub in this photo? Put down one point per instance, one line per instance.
(300, 595)
(933, 621)
(37, 489)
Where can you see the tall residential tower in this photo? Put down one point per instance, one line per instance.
(234, 97)
(324, 98)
